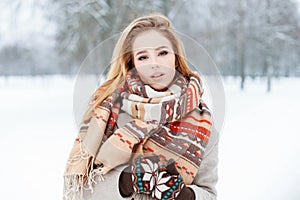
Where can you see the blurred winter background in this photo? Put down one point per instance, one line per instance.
(254, 43)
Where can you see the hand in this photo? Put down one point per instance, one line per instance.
(170, 185)
(139, 177)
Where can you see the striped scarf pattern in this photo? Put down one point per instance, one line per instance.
(137, 120)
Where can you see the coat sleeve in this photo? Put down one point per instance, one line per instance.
(204, 184)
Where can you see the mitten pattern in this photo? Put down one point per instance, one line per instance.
(145, 171)
(139, 177)
(167, 186)
(144, 176)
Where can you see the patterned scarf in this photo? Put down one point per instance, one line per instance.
(136, 119)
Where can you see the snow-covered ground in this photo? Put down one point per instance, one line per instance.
(259, 144)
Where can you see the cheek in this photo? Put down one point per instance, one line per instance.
(142, 71)
(169, 61)
(138, 64)
(139, 70)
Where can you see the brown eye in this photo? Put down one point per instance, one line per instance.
(142, 58)
(163, 53)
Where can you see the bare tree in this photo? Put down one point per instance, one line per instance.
(83, 24)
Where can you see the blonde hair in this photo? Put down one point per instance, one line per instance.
(122, 58)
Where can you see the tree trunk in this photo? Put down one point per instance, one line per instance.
(268, 52)
(269, 73)
(241, 42)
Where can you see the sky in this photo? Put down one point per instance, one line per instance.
(23, 20)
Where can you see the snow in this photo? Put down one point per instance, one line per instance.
(37, 132)
(259, 145)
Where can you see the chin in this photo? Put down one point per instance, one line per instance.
(160, 88)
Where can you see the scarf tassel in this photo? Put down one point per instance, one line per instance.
(75, 184)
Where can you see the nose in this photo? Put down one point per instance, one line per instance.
(155, 66)
(154, 62)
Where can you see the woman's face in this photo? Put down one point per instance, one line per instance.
(154, 59)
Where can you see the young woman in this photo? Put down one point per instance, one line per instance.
(147, 132)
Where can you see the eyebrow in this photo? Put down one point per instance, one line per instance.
(161, 47)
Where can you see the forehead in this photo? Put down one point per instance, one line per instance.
(150, 39)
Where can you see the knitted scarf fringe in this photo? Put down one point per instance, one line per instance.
(76, 183)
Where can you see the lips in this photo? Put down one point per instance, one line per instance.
(157, 75)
